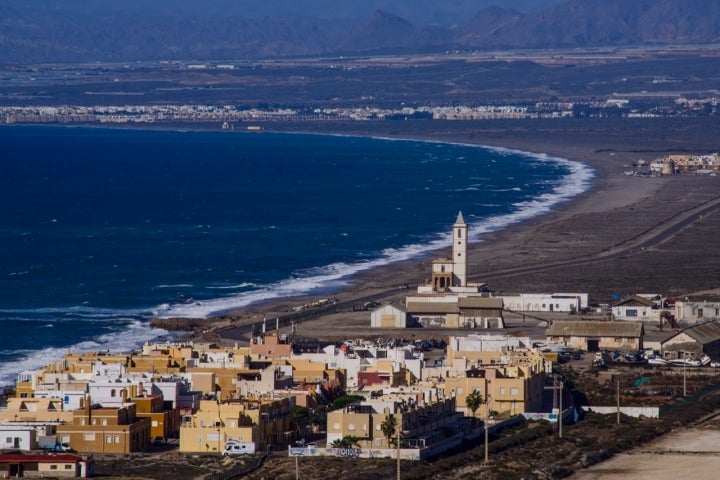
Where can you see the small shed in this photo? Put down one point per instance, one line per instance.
(693, 341)
(389, 316)
(595, 336)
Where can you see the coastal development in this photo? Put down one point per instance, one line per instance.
(566, 317)
(380, 397)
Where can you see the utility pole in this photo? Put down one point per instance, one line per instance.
(397, 446)
(487, 418)
(617, 398)
(684, 375)
(560, 412)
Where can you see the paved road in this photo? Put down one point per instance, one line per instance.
(652, 237)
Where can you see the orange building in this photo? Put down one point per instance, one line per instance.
(106, 430)
(164, 423)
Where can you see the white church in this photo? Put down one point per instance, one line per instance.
(449, 300)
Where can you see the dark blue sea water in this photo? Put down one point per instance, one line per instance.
(102, 228)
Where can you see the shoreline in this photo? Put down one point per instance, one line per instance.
(608, 191)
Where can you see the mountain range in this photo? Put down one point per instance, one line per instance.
(34, 31)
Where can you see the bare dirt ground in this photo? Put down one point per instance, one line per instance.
(674, 456)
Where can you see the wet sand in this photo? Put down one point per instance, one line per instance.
(616, 209)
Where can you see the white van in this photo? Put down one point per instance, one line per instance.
(233, 447)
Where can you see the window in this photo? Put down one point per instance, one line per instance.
(154, 423)
(108, 438)
(89, 437)
(116, 439)
(459, 233)
(53, 467)
(502, 390)
(459, 391)
(513, 391)
(104, 421)
(631, 313)
(68, 467)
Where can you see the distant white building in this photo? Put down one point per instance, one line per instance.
(696, 311)
(637, 308)
(545, 302)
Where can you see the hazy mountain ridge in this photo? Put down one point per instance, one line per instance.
(30, 34)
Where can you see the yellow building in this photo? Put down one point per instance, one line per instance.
(420, 415)
(164, 423)
(35, 410)
(263, 421)
(509, 390)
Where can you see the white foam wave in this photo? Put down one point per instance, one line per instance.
(179, 285)
(81, 311)
(233, 287)
(134, 336)
(333, 276)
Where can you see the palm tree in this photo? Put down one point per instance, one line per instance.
(473, 400)
(348, 441)
(388, 428)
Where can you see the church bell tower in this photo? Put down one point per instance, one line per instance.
(459, 252)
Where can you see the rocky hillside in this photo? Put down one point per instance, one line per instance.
(31, 33)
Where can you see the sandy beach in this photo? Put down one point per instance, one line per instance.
(617, 210)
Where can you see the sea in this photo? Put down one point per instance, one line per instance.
(103, 229)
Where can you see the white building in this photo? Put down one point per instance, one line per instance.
(389, 316)
(545, 302)
(18, 436)
(696, 311)
(637, 308)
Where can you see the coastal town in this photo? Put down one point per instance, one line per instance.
(451, 364)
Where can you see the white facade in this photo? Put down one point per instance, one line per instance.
(488, 343)
(696, 311)
(388, 316)
(545, 302)
(459, 252)
(71, 400)
(17, 437)
(362, 357)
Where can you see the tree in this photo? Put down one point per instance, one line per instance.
(388, 428)
(348, 441)
(339, 403)
(473, 400)
(301, 416)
